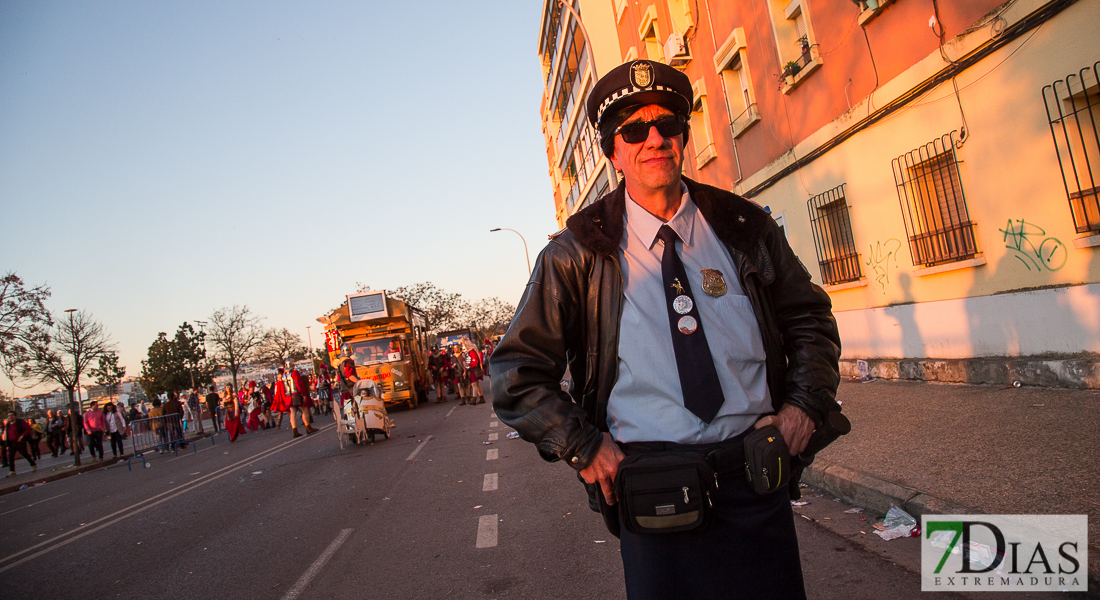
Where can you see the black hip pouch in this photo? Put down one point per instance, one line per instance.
(665, 492)
(767, 460)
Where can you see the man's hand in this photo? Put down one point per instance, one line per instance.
(795, 426)
(604, 467)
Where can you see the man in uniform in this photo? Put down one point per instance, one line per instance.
(686, 322)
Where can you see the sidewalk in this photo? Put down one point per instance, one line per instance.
(934, 448)
(52, 469)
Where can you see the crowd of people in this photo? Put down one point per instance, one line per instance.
(108, 421)
(258, 405)
(461, 368)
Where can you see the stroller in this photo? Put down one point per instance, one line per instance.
(364, 416)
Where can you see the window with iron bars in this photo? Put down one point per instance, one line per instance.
(836, 246)
(933, 203)
(1073, 109)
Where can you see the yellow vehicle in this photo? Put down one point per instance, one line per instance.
(388, 340)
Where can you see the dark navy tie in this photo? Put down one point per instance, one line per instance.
(698, 377)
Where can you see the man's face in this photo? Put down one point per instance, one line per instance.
(654, 163)
(11, 417)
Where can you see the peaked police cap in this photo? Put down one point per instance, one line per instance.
(638, 83)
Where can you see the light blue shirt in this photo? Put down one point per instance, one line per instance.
(647, 403)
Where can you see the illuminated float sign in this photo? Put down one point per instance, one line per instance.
(365, 306)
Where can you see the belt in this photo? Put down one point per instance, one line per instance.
(725, 457)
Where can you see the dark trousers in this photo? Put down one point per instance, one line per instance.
(21, 448)
(117, 449)
(95, 443)
(751, 552)
(52, 443)
(214, 419)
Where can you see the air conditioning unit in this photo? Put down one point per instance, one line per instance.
(676, 50)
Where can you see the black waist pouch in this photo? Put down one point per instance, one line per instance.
(665, 492)
(767, 460)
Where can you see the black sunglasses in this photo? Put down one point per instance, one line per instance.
(638, 131)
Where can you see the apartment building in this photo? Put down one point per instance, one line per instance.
(933, 162)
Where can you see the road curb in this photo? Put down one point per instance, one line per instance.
(63, 472)
(877, 494)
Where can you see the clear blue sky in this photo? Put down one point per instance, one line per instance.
(160, 160)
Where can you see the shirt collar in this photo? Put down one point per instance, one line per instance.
(644, 226)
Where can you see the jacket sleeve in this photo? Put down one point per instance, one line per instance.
(811, 340)
(530, 362)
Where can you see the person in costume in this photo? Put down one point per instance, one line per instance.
(346, 375)
(232, 407)
(446, 369)
(297, 388)
(324, 389)
(435, 371)
(281, 402)
(474, 364)
(267, 392)
(461, 374)
(255, 406)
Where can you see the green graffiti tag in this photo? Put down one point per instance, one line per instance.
(1020, 236)
(879, 260)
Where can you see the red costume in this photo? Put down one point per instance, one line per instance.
(294, 383)
(282, 399)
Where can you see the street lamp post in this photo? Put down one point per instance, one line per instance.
(525, 254)
(202, 338)
(312, 356)
(74, 406)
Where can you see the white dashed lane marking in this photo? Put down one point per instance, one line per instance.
(419, 448)
(494, 423)
(494, 437)
(490, 483)
(317, 565)
(487, 531)
(492, 454)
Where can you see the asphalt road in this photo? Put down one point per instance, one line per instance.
(433, 512)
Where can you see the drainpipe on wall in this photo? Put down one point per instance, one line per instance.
(725, 100)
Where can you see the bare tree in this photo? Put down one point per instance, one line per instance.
(24, 323)
(64, 355)
(236, 335)
(443, 310)
(281, 345)
(491, 316)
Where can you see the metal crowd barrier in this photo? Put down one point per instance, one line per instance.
(222, 431)
(164, 432)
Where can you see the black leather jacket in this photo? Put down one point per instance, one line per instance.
(569, 316)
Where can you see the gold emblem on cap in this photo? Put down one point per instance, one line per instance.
(642, 74)
(713, 283)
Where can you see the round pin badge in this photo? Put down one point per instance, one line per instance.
(682, 304)
(687, 325)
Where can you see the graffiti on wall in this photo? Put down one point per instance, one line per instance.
(879, 260)
(1031, 248)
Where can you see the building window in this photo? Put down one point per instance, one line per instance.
(1073, 109)
(933, 203)
(650, 34)
(732, 64)
(679, 11)
(795, 40)
(700, 128)
(836, 246)
(620, 8)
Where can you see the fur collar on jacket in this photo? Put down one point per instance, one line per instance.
(737, 221)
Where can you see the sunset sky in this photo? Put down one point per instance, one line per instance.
(160, 160)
